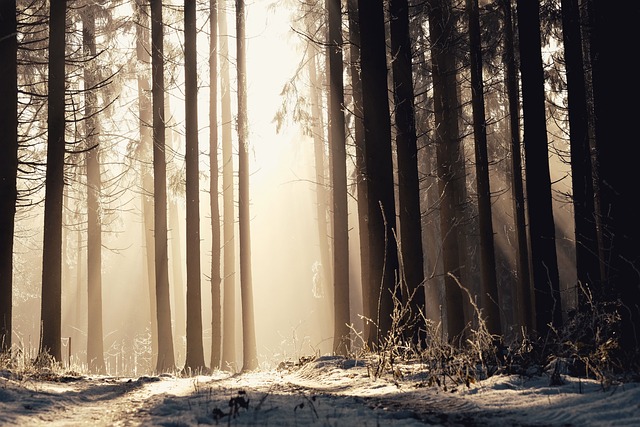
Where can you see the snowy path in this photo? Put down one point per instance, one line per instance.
(326, 392)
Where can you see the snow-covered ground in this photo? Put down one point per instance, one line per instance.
(328, 391)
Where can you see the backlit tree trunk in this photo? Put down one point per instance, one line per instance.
(52, 252)
(166, 360)
(195, 349)
(8, 162)
(95, 347)
(337, 141)
(216, 307)
(249, 353)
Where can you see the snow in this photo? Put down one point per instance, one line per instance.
(327, 391)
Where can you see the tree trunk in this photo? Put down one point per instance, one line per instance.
(95, 347)
(361, 174)
(411, 252)
(8, 162)
(450, 178)
(541, 224)
(228, 220)
(250, 353)
(195, 349)
(337, 142)
(489, 298)
(54, 187)
(216, 307)
(523, 291)
(616, 134)
(166, 361)
(587, 248)
(383, 255)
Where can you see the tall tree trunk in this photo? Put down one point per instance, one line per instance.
(361, 174)
(143, 154)
(195, 350)
(541, 225)
(450, 177)
(411, 251)
(52, 252)
(166, 360)
(337, 143)
(587, 248)
(325, 278)
(228, 209)
(8, 162)
(216, 307)
(95, 347)
(616, 134)
(489, 299)
(523, 291)
(249, 353)
(383, 256)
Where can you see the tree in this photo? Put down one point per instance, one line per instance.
(216, 312)
(95, 348)
(250, 353)
(523, 290)
(143, 154)
(587, 264)
(337, 142)
(166, 359)
(616, 134)
(51, 302)
(361, 174)
(195, 350)
(383, 255)
(228, 212)
(489, 282)
(411, 253)
(8, 162)
(541, 224)
(449, 157)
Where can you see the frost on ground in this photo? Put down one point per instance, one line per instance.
(328, 391)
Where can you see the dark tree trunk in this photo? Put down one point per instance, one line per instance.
(541, 225)
(411, 252)
(337, 143)
(216, 307)
(8, 162)
(587, 264)
(166, 361)
(360, 173)
(449, 155)
(383, 255)
(616, 137)
(54, 187)
(250, 353)
(95, 347)
(489, 299)
(523, 291)
(195, 349)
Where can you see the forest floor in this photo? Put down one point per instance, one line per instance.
(327, 391)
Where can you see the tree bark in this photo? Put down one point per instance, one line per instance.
(250, 353)
(337, 142)
(383, 255)
(95, 347)
(195, 350)
(8, 162)
(489, 298)
(541, 224)
(52, 260)
(166, 360)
